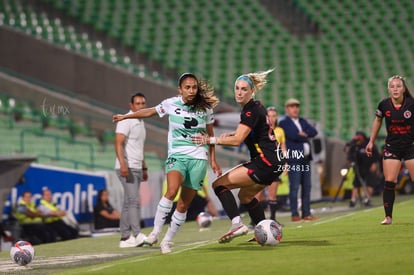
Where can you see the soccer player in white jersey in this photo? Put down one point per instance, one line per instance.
(190, 114)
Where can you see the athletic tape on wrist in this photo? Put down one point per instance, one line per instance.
(213, 140)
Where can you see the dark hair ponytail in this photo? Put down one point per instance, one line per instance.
(205, 98)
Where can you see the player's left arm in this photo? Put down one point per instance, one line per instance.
(237, 138)
(309, 130)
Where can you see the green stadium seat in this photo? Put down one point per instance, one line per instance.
(229, 42)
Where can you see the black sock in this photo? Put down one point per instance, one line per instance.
(227, 201)
(255, 210)
(273, 207)
(388, 197)
(264, 204)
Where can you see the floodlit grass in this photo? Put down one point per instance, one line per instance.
(344, 242)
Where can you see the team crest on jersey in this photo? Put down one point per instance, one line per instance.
(407, 114)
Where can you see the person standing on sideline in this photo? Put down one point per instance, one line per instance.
(53, 217)
(281, 140)
(298, 131)
(190, 114)
(398, 110)
(264, 166)
(130, 169)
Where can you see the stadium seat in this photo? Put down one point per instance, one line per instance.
(226, 41)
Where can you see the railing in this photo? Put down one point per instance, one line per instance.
(57, 140)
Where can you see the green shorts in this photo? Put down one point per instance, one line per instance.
(193, 170)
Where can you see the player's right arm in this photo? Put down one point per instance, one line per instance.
(143, 113)
(376, 126)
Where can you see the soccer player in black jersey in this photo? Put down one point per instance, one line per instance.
(398, 111)
(253, 176)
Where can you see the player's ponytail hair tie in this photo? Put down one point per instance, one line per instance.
(256, 80)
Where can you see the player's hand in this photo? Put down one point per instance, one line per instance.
(200, 139)
(118, 117)
(124, 171)
(368, 149)
(216, 168)
(144, 175)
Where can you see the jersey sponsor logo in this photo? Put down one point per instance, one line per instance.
(407, 114)
(400, 130)
(180, 111)
(190, 122)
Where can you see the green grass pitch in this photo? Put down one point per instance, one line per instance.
(340, 242)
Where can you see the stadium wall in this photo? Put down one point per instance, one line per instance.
(46, 62)
(78, 73)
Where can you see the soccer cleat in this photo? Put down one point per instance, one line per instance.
(130, 242)
(151, 239)
(166, 247)
(252, 239)
(236, 230)
(387, 221)
(140, 238)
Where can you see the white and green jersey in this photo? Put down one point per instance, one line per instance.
(184, 123)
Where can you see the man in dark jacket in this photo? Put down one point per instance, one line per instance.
(298, 132)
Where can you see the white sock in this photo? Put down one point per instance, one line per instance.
(177, 220)
(163, 209)
(236, 220)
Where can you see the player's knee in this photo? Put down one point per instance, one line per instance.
(389, 185)
(220, 189)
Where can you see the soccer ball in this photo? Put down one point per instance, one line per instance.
(268, 232)
(22, 253)
(204, 220)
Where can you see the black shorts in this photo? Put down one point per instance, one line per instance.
(400, 154)
(261, 173)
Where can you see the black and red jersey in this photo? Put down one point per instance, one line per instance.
(261, 140)
(399, 122)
